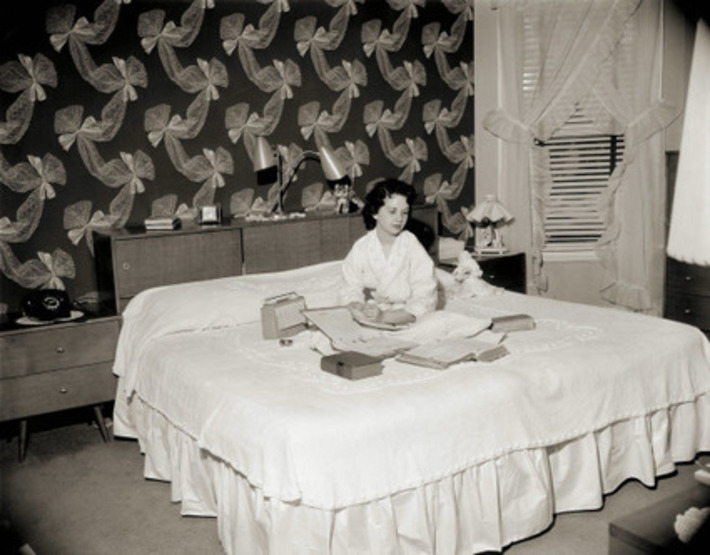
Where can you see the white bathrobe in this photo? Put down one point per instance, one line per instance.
(405, 279)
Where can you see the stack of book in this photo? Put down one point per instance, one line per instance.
(161, 222)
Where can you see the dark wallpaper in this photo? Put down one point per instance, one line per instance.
(112, 111)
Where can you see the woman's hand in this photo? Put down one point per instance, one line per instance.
(397, 317)
(365, 311)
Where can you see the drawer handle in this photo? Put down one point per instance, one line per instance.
(63, 391)
(126, 266)
(60, 350)
(491, 276)
(687, 311)
(688, 278)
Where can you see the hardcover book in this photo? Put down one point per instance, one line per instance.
(512, 322)
(444, 353)
(162, 222)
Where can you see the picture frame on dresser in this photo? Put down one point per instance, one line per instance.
(210, 214)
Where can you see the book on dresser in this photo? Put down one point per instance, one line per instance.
(156, 223)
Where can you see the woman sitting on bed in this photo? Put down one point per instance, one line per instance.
(389, 276)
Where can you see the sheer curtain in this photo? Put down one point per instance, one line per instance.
(580, 47)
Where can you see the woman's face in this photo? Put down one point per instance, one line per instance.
(392, 215)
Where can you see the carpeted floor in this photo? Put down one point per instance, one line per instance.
(76, 495)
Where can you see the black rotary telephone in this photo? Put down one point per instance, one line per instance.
(46, 305)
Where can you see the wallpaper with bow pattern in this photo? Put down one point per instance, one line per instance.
(113, 110)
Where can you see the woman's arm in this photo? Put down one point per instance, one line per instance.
(422, 279)
(353, 290)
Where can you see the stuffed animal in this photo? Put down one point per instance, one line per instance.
(346, 202)
(466, 280)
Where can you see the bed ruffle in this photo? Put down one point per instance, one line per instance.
(484, 507)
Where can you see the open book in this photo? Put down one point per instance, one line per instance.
(484, 347)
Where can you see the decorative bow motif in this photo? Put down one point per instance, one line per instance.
(468, 71)
(469, 145)
(135, 182)
(176, 126)
(170, 31)
(432, 184)
(237, 125)
(58, 265)
(45, 187)
(82, 30)
(356, 75)
(66, 140)
(241, 201)
(417, 150)
(129, 93)
(77, 220)
(286, 91)
(36, 91)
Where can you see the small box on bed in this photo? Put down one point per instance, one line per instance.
(282, 316)
(351, 365)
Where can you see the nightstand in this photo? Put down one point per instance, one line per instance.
(56, 367)
(503, 270)
(688, 294)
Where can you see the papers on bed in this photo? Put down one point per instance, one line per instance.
(347, 335)
(429, 329)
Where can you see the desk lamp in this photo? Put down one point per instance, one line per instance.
(268, 166)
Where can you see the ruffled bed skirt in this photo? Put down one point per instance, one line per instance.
(482, 508)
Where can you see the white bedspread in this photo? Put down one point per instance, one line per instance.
(302, 435)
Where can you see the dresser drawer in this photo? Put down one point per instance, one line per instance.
(691, 309)
(26, 396)
(687, 277)
(146, 261)
(58, 347)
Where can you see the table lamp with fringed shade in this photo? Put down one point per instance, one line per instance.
(488, 216)
(689, 234)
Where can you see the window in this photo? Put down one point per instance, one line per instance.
(581, 158)
(581, 162)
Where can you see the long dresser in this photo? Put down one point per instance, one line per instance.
(131, 260)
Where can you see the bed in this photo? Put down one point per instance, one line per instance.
(291, 459)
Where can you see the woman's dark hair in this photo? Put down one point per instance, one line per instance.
(375, 199)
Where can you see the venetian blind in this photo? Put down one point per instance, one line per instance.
(581, 162)
(581, 158)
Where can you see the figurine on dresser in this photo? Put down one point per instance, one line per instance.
(346, 201)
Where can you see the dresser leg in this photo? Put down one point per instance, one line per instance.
(99, 415)
(22, 441)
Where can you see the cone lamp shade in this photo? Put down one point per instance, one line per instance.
(332, 169)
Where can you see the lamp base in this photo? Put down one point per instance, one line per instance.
(490, 250)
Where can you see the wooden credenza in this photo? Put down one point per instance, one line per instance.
(131, 260)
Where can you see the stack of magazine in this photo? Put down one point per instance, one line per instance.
(161, 222)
